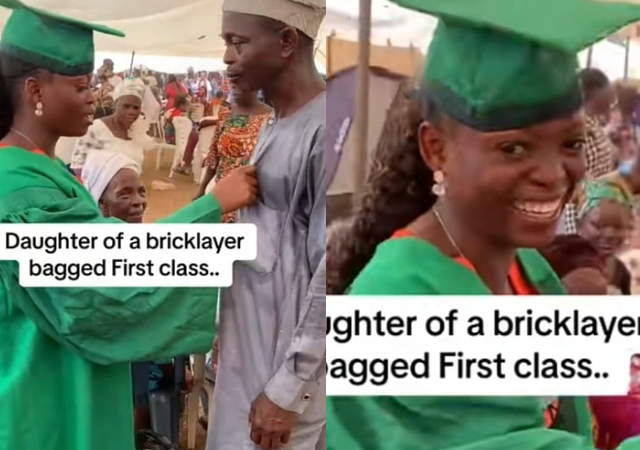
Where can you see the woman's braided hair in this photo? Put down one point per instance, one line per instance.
(13, 72)
(397, 191)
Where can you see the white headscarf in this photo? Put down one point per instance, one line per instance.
(135, 88)
(150, 108)
(100, 168)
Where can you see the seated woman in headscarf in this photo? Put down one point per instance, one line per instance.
(113, 179)
(605, 219)
(122, 132)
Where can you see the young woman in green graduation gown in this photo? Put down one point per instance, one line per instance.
(65, 354)
(461, 192)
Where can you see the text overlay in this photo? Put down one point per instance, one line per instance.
(114, 255)
(490, 345)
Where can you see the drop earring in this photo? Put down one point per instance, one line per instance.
(39, 109)
(438, 183)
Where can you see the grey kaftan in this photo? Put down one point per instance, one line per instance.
(273, 319)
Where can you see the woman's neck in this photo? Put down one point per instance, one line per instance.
(490, 260)
(27, 133)
(118, 129)
(248, 108)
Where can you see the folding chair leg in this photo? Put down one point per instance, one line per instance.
(193, 411)
(192, 420)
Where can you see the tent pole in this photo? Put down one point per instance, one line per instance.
(627, 47)
(328, 56)
(133, 56)
(362, 107)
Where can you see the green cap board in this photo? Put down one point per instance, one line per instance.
(497, 65)
(59, 44)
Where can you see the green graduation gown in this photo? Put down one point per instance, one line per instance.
(65, 353)
(410, 266)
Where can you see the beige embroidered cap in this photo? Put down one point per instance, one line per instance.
(304, 15)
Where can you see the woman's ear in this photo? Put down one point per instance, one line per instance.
(432, 144)
(103, 208)
(33, 90)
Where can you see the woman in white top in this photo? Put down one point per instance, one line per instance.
(122, 132)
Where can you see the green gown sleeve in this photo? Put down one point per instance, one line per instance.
(110, 325)
(630, 444)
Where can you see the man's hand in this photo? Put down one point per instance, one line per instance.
(271, 426)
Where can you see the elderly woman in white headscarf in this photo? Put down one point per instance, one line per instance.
(113, 179)
(122, 132)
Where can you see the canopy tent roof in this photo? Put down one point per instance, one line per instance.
(189, 28)
(158, 27)
(399, 37)
(391, 25)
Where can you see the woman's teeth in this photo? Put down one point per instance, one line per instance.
(542, 210)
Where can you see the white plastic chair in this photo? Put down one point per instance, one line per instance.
(204, 143)
(163, 146)
(155, 127)
(64, 148)
(183, 127)
(196, 112)
(200, 383)
(193, 399)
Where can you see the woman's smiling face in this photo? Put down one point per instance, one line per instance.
(509, 187)
(607, 227)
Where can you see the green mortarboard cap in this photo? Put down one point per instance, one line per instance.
(499, 65)
(59, 44)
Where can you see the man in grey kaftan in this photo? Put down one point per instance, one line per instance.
(270, 389)
(273, 319)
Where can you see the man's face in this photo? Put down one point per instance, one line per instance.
(255, 51)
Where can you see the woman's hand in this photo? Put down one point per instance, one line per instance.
(237, 190)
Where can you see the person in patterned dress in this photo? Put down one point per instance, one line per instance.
(600, 153)
(235, 138)
(623, 132)
(605, 219)
(104, 97)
